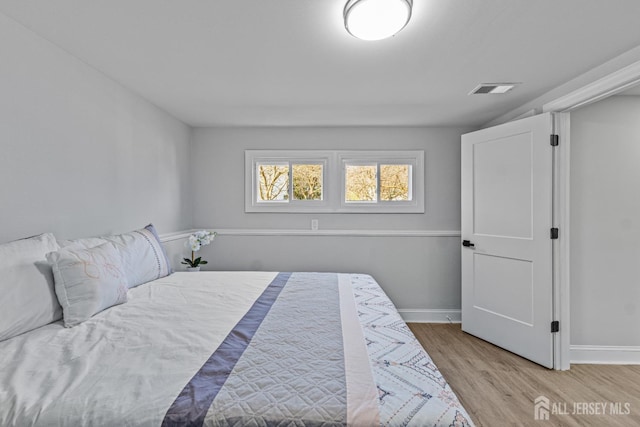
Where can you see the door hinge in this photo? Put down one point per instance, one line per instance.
(555, 326)
(554, 233)
(555, 140)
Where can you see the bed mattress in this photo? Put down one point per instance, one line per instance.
(230, 348)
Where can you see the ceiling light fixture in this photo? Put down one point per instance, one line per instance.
(376, 19)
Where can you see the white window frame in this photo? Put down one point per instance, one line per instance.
(414, 158)
(333, 180)
(290, 157)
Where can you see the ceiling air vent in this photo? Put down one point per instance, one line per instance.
(493, 88)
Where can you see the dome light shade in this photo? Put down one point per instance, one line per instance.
(376, 19)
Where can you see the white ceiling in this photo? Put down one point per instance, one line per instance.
(291, 62)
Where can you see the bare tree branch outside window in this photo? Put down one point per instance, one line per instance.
(361, 183)
(273, 182)
(394, 182)
(307, 182)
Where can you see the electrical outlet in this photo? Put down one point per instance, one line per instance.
(314, 224)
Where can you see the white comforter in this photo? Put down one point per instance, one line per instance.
(146, 355)
(297, 349)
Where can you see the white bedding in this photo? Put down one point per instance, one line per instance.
(230, 348)
(149, 354)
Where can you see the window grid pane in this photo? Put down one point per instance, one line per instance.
(361, 183)
(273, 182)
(395, 182)
(307, 181)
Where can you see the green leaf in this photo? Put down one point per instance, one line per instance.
(204, 262)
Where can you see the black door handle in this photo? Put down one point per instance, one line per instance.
(468, 244)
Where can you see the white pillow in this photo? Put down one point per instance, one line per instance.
(83, 243)
(87, 281)
(143, 256)
(26, 284)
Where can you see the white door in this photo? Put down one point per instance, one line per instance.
(507, 277)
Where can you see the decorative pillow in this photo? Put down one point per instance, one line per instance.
(151, 229)
(87, 281)
(84, 243)
(143, 256)
(26, 284)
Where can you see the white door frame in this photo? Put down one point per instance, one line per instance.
(604, 87)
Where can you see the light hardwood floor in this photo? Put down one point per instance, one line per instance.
(498, 388)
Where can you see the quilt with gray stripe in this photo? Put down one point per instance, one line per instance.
(318, 349)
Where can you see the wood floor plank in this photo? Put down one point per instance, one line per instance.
(498, 388)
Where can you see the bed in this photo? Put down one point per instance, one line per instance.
(230, 349)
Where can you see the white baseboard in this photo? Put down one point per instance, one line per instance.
(606, 355)
(337, 233)
(430, 315)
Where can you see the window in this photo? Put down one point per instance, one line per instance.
(395, 182)
(334, 181)
(274, 185)
(360, 183)
(377, 182)
(382, 181)
(273, 182)
(307, 181)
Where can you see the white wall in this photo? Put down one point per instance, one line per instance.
(79, 154)
(605, 223)
(418, 272)
(218, 164)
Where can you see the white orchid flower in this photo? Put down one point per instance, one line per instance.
(195, 242)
